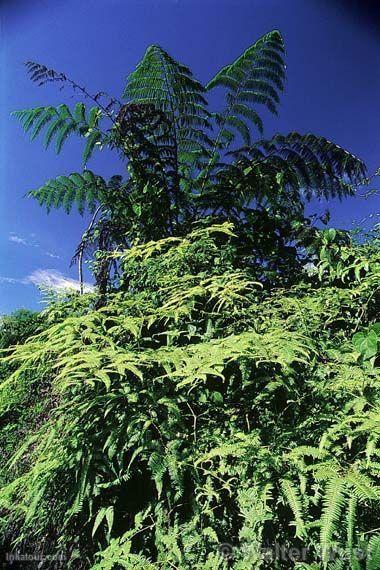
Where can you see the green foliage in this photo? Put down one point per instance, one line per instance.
(367, 343)
(169, 86)
(184, 162)
(18, 326)
(86, 189)
(218, 395)
(59, 123)
(254, 78)
(198, 408)
(16, 420)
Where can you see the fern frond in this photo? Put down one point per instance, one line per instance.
(350, 523)
(41, 74)
(83, 190)
(60, 122)
(362, 486)
(240, 126)
(158, 466)
(333, 502)
(169, 86)
(289, 167)
(256, 77)
(250, 114)
(293, 498)
(373, 553)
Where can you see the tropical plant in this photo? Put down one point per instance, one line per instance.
(18, 327)
(185, 163)
(215, 404)
(197, 408)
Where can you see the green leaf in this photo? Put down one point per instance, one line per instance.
(366, 344)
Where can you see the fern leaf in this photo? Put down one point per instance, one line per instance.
(241, 127)
(93, 139)
(105, 513)
(169, 86)
(294, 501)
(59, 123)
(255, 77)
(158, 465)
(333, 502)
(351, 522)
(362, 486)
(304, 165)
(83, 190)
(373, 553)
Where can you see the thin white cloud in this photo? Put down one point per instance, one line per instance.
(55, 280)
(17, 239)
(10, 280)
(14, 238)
(49, 278)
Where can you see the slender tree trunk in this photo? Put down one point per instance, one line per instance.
(81, 252)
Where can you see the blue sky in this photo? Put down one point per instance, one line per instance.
(333, 89)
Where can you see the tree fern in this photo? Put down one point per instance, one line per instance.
(59, 123)
(306, 163)
(164, 134)
(211, 389)
(281, 171)
(256, 77)
(170, 87)
(83, 190)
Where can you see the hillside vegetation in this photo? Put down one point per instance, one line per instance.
(215, 403)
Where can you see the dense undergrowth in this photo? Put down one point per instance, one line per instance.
(198, 408)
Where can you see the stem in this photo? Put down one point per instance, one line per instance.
(81, 250)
